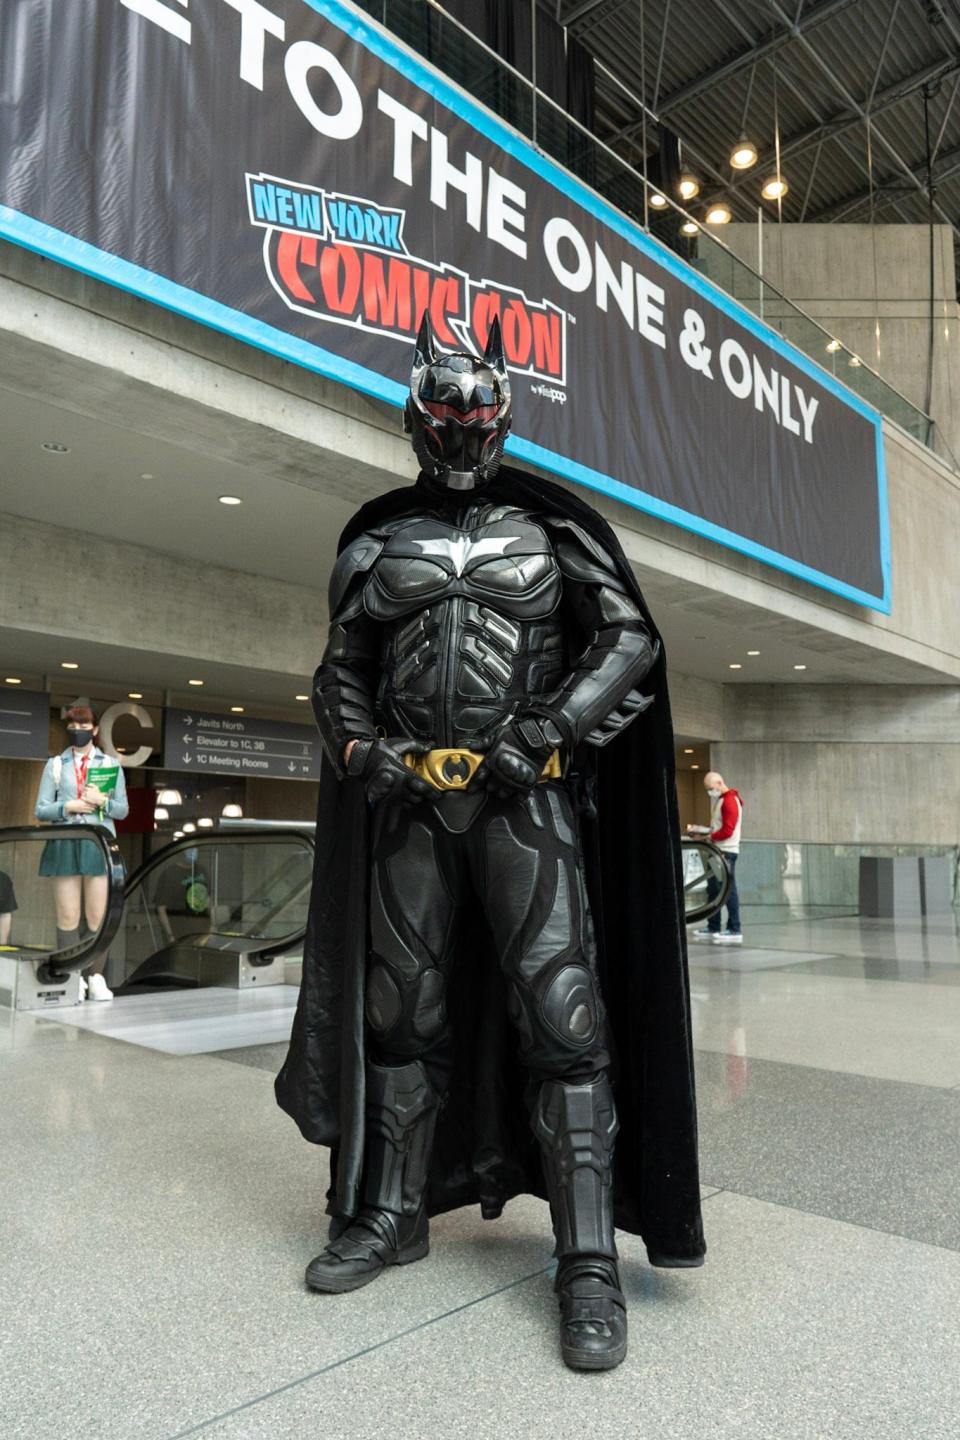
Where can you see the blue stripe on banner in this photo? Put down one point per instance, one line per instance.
(80, 255)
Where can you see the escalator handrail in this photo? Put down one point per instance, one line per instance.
(57, 965)
(703, 912)
(270, 950)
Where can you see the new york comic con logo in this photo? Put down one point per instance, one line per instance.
(344, 260)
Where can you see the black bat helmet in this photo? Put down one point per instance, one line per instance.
(458, 412)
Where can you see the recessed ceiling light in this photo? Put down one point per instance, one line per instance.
(689, 227)
(753, 652)
(13, 680)
(69, 665)
(189, 828)
(54, 448)
(301, 697)
(799, 667)
(178, 834)
(657, 201)
(719, 215)
(232, 811)
(694, 767)
(169, 797)
(194, 682)
(736, 666)
(160, 812)
(688, 752)
(689, 186)
(146, 476)
(205, 823)
(134, 694)
(236, 709)
(229, 499)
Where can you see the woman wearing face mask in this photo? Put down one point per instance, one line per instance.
(79, 877)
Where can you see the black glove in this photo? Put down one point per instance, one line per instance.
(379, 764)
(515, 760)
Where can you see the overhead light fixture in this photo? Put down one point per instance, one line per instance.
(689, 227)
(799, 667)
(205, 823)
(54, 448)
(736, 666)
(160, 812)
(169, 797)
(753, 652)
(688, 752)
(833, 346)
(855, 360)
(774, 187)
(301, 697)
(194, 682)
(229, 499)
(134, 694)
(233, 811)
(657, 201)
(189, 828)
(69, 665)
(689, 186)
(694, 767)
(719, 214)
(13, 680)
(178, 834)
(744, 154)
(236, 709)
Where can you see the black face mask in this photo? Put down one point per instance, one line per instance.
(79, 738)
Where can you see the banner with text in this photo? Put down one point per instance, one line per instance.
(289, 173)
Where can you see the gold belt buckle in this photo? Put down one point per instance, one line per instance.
(453, 769)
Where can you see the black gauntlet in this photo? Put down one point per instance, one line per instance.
(379, 764)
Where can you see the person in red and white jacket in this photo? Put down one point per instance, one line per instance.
(726, 819)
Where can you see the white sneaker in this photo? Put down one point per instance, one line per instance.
(97, 989)
(724, 937)
(702, 934)
(83, 989)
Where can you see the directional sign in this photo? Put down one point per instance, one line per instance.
(24, 724)
(240, 745)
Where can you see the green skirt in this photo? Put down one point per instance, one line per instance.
(72, 857)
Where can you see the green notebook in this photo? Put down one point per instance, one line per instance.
(105, 779)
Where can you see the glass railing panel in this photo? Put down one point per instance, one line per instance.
(805, 879)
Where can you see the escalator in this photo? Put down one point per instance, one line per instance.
(221, 909)
(228, 908)
(36, 972)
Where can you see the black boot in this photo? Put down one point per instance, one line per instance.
(576, 1125)
(391, 1227)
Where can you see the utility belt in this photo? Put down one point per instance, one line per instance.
(454, 769)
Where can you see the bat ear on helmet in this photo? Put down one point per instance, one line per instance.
(493, 355)
(425, 352)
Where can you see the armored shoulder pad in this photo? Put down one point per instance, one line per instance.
(352, 565)
(583, 558)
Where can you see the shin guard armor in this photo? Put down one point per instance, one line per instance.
(576, 1125)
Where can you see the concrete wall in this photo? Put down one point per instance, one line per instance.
(845, 764)
(869, 285)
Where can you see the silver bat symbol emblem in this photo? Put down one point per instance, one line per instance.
(459, 552)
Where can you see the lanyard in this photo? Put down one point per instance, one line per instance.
(80, 771)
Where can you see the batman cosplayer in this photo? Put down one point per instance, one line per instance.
(494, 995)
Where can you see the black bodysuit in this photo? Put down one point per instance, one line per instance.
(445, 627)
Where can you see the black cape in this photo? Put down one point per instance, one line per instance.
(484, 1151)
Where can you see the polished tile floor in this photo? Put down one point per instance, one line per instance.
(157, 1210)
